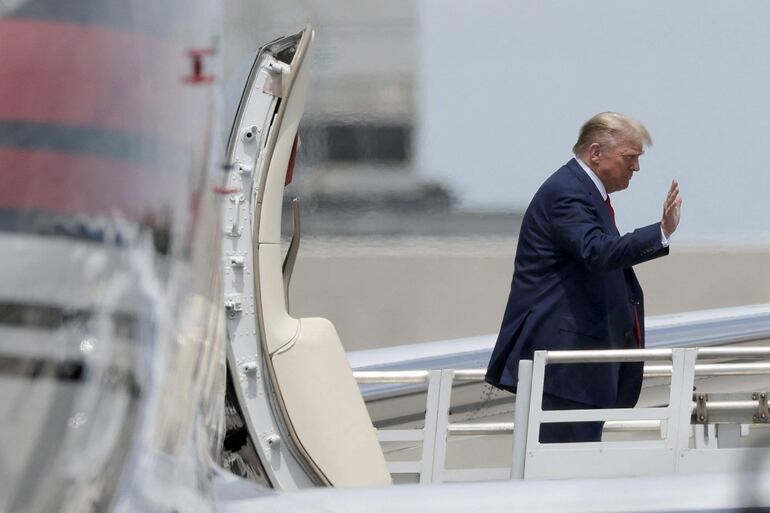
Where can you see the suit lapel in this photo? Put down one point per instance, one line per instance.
(596, 196)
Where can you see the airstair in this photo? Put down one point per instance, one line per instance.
(692, 431)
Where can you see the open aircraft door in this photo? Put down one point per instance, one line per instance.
(293, 385)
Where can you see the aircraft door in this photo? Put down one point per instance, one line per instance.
(320, 417)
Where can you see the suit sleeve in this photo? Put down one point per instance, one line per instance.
(579, 232)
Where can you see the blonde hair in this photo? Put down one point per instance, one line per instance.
(607, 128)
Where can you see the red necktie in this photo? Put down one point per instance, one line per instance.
(612, 210)
(637, 324)
(637, 328)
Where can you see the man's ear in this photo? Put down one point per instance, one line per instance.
(594, 152)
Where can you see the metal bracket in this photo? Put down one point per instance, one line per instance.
(270, 441)
(245, 168)
(276, 67)
(233, 304)
(237, 261)
(251, 367)
(234, 230)
(274, 83)
(701, 409)
(250, 134)
(762, 411)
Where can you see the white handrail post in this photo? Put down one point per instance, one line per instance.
(535, 403)
(680, 402)
(442, 425)
(521, 418)
(429, 430)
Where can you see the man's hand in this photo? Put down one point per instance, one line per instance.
(672, 208)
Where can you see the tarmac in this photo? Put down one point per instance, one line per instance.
(390, 290)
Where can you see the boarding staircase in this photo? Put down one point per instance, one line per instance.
(691, 432)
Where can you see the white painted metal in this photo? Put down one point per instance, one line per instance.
(705, 436)
(506, 428)
(735, 369)
(632, 425)
(246, 360)
(442, 425)
(305, 392)
(732, 405)
(680, 402)
(733, 352)
(470, 374)
(604, 414)
(486, 428)
(548, 461)
(647, 355)
(521, 418)
(709, 369)
(367, 377)
(670, 455)
(432, 414)
(650, 371)
(426, 435)
(728, 435)
(646, 457)
(604, 355)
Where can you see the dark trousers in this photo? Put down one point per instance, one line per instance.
(560, 432)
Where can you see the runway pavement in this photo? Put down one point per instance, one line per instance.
(383, 291)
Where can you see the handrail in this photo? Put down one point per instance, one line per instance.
(680, 420)
(650, 371)
(647, 355)
(734, 352)
(506, 428)
(470, 374)
(713, 369)
(607, 355)
(370, 377)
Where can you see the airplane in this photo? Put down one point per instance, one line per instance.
(148, 357)
(112, 344)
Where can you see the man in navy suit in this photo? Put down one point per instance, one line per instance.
(573, 285)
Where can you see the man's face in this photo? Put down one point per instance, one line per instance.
(615, 165)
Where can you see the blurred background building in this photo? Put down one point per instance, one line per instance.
(360, 164)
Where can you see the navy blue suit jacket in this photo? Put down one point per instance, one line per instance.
(573, 288)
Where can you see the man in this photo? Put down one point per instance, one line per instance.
(573, 286)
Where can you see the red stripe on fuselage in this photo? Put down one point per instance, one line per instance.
(79, 75)
(87, 185)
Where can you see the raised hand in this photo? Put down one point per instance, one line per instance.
(672, 209)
